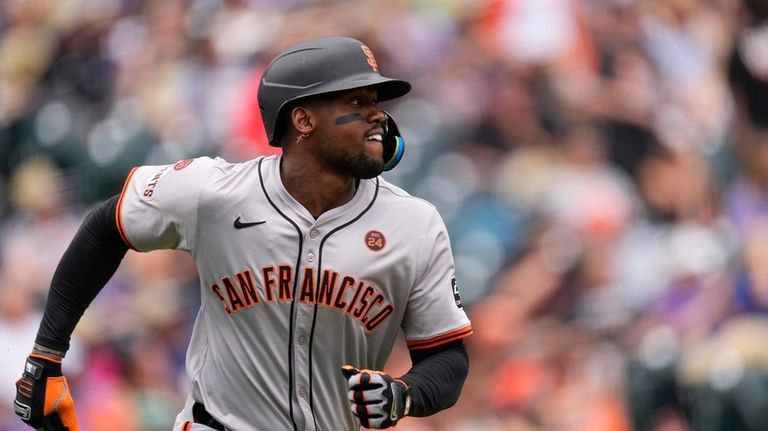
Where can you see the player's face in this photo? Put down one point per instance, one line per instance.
(351, 127)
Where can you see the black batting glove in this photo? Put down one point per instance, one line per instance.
(42, 399)
(376, 399)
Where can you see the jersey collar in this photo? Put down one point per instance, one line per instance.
(364, 195)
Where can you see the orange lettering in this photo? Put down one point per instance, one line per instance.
(363, 302)
(308, 286)
(346, 282)
(285, 277)
(234, 298)
(370, 58)
(217, 290)
(377, 300)
(245, 280)
(327, 285)
(354, 299)
(376, 320)
(269, 282)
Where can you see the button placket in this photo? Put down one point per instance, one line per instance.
(312, 244)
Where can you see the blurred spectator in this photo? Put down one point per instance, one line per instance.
(44, 220)
(601, 166)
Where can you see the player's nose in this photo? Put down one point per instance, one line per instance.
(377, 115)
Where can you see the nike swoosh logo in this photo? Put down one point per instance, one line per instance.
(242, 225)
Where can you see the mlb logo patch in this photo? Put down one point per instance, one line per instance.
(456, 296)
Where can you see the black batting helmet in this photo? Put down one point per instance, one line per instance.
(316, 67)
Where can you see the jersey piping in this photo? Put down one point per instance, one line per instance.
(319, 273)
(427, 343)
(119, 212)
(291, 317)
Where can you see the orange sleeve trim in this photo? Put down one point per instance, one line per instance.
(187, 426)
(47, 358)
(119, 211)
(440, 339)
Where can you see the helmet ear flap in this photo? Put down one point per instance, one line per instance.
(393, 143)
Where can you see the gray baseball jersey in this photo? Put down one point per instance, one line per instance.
(288, 299)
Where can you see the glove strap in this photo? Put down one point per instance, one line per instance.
(408, 401)
(408, 398)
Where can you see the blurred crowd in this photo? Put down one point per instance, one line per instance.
(601, 165)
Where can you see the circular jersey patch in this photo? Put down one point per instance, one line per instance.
(182, 164)
(375, 240)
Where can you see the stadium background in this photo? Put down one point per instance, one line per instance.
(601, 166)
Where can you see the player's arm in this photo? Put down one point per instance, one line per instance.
(42, 394)
(436, 377)
(89, 262)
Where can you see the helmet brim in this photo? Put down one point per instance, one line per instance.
(392, 89)
(388, 88)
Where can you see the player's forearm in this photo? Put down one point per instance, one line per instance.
(89, 262)
(436, 378)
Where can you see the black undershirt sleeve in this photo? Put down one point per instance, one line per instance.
(88, 263)
(436, 377)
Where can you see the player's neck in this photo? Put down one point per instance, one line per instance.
(316, 190)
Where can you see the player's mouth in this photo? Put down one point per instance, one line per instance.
(376, 134)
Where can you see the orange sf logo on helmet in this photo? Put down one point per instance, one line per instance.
(369, 56)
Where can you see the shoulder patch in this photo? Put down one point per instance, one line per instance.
(181, 164)
(455, 288)
(375, 240)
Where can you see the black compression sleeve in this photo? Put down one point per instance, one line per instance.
(89, 262)
(436, 377)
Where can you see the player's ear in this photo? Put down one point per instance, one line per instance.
(302, 120)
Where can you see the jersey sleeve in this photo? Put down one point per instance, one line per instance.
(157, 208)
(434, 314)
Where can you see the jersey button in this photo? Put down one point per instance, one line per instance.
(310, 257)
(313, 233)
(302, 339)
(302, 392)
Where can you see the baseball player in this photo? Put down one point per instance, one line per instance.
(310, 264)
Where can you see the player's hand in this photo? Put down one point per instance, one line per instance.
(42, 399)
(377, 399)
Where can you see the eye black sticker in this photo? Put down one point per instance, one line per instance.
(344, 119)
